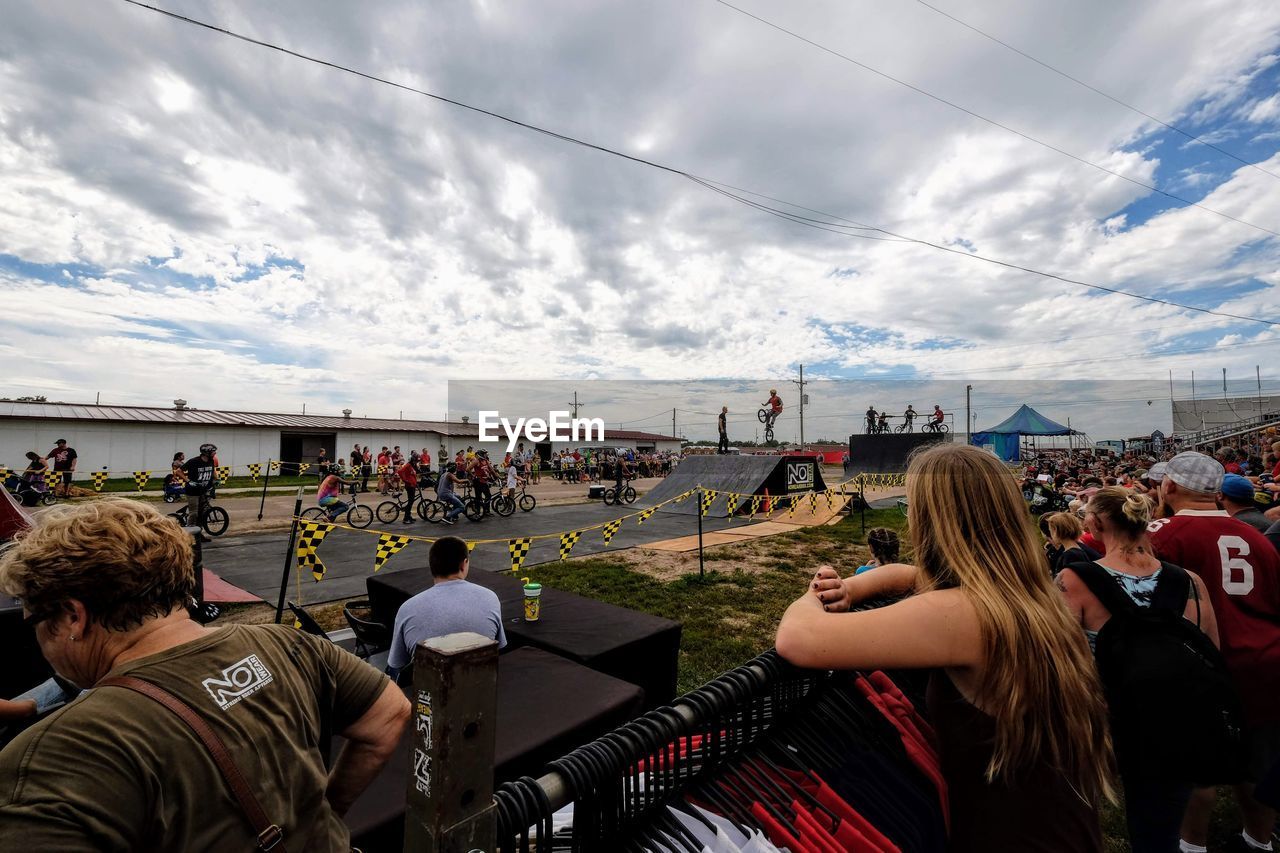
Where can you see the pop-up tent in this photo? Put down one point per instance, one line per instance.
(1005, 438)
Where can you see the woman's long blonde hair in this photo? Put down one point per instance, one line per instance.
(970, 530)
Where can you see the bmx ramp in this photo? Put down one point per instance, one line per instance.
(887, 454)
(744, 475)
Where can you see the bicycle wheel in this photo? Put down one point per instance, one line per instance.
(215, 521)
(768, 433)
(943, 428)
(610, 496)
(431, 511)
(762, 415)
(359, 516)
(503, 505)
(527, 503)
(48, 499)
(629, 495)
(315, 513)
(388, 511)
(474, 509)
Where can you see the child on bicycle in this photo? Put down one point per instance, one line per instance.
(882, 422)
(938, 416)
(909, 416)
(327, 494)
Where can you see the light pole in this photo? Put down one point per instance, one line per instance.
(968, 415)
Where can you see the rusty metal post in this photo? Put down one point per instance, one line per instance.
(449, 803)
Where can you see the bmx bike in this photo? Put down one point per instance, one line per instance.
(764, 416)
(356, 514)
(935, 426)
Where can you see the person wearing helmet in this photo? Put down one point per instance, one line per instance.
(938, 415)
(774, 403)
(446, 491)
(200, 473)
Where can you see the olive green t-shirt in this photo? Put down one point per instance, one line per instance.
(117, 771)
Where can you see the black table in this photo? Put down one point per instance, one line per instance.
(626, 644)
(534, 725)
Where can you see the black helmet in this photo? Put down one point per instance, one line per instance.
(208, 448)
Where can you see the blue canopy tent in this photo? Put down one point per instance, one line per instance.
(1005, 438)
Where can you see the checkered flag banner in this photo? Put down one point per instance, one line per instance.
(755, 504)
(567, 541)
(382, 469)
(831, 501)
(4, 472)
(644, 516)
(791, 510)
(224, 473)
(52, 477)
(99, 477)
(255, 470)
(273, 466)
(302, 469)
(471, 546)
(141, 477)
(312, 534)
(731, 503)
(813, 502)
(519, 549)
(704, 503)
(610, 529)
(388, 546)
(683, 497)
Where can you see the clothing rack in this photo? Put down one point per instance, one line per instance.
(747, 743)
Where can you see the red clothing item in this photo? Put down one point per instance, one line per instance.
(408, 475)
(823, 793)
(384, 459)
(816, 834)
(779, 835)
(1094, 543)
(1241, 571)
(1232, 468)
(887, 688)
(775, 403)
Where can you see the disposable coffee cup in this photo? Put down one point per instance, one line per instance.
(532, 601)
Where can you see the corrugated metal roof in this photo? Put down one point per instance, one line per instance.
(269, 420)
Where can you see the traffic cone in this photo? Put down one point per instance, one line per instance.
(768, 503)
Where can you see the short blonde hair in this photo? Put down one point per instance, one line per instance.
(124, 560)
(1064, 525)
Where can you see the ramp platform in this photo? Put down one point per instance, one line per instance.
(887, 454)
(744, 475)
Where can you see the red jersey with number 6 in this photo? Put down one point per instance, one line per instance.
(1241, 570)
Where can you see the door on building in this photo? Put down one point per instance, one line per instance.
(543, 449)
(305, 446)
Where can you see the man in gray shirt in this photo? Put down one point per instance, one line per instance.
(451, 605)
(1237, 499)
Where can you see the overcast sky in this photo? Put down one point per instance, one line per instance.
(187, 215)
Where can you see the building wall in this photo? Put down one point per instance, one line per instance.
(1194, 415)
(122, 447)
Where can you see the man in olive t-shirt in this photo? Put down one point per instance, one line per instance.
(116, 771)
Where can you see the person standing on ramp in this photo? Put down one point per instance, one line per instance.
(724, 430)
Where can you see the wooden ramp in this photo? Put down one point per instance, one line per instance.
(778, 521)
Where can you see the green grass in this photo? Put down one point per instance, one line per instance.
(730, 615)
(127, 484)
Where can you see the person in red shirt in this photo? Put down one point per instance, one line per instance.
(409, 476)
(774, 404)
(426, 459)
(384, 465)
(1241, 571)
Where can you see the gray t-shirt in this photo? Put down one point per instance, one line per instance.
(447, 608)
(1254, 518)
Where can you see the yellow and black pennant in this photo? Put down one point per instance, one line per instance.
(755, 504)
(302, 469)
(567, 541)
(255, 470)
(731, 504)
(99, 478)
(611, 528)
(519, 549)
(51, 478)
(273, 466)
(389, 545)
(704, 503)
(141, 477)
(311, 534)
(224, 474)
(382, 469)
(644, 516)
(813, 502)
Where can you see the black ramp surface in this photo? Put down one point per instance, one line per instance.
(744, 475)
(886, 454)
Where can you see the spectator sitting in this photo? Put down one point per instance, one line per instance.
(1236, 495)
(106, 586)
(884, 546)
(1065, 531)
(451, 605)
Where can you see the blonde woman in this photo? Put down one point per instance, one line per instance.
(1065, 532)
(1015, 698)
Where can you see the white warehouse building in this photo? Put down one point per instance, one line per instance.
(124, 439)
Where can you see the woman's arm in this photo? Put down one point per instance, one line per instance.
(938, 628)
(838, 595)
(1208, 621)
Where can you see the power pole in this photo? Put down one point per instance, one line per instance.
(1257, 371)
(576, 405)
(968, 414)
(801, 383)
(673, 422)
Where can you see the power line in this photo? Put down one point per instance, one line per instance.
(990, 121)
(1095, 90)
(715, 186)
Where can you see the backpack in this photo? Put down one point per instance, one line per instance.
(1174, 711)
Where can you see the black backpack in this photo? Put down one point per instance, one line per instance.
(1174, 711)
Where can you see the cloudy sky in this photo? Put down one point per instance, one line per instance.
(185, 214)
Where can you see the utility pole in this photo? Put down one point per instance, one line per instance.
(673, 422)
(576, 405)
(1257, 371)
(968, 414)
(801, 383)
